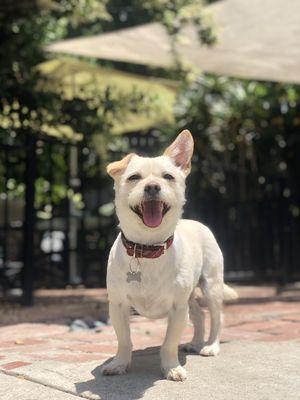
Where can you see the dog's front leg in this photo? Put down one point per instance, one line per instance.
(119, 316)
(169, 351)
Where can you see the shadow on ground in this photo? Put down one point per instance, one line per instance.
(144, 373)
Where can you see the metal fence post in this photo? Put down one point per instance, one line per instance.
(29, 220)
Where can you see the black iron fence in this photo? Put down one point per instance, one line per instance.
(48, 236)
(259, 239)
(52, 233)
(257, 223)
(12, 249)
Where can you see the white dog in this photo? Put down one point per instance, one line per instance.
(158, 259)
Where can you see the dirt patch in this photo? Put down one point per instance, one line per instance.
(56, 306)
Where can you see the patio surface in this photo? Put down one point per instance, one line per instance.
(43, 359)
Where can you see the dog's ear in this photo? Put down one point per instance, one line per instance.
(116, 168)
(181, 151)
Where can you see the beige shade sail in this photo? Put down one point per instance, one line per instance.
(82, 79)
(256, 39)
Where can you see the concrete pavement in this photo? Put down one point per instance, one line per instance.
(15, 388)
(260, 357)
(244, 370)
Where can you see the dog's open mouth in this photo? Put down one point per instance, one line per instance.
(151, 212)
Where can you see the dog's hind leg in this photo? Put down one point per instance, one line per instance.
(212, 287)
(197, 316)
(213, 293)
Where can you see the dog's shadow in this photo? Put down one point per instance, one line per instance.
(144, 372)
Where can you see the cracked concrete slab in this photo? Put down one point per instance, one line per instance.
(244, 370)
(18, 388)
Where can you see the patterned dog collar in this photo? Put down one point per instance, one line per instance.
(138, 250)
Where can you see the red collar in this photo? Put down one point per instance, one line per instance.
(138, 250)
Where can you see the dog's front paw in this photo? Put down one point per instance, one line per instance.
(175, 374)
(210, 350)
(191, 347)
(115, 367)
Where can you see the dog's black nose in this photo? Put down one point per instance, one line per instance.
(152, 189)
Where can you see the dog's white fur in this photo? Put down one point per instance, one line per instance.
(167, 287)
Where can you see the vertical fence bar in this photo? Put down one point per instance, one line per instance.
(82, 229)
(6, 224)
(73, 227)
(49, 176)
(29, 221)
(66, 252)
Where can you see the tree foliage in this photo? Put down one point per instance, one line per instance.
(247, 130)
(248, 126)
(30, 105)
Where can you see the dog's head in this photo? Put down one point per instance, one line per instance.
(150, 192)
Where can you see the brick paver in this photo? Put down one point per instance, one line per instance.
(260, 318)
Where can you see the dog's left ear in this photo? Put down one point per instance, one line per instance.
(181, 151)
(116, 168)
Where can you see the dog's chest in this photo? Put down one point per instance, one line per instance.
(153, 296)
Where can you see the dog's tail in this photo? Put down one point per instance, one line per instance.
(229, 293)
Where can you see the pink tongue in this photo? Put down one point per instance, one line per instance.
(152, 213)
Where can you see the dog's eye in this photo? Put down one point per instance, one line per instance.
(134, 177)
(169, 177)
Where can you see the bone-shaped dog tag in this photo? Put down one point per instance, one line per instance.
(134, 276)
